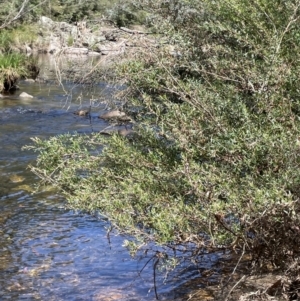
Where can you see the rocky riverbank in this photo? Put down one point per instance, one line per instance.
(99, 38)
(72, 46)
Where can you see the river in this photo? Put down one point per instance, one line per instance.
(49, 252)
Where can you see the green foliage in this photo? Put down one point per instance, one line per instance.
(12, 67)
(215, 159)
(125, 13)
(70, 10)
(17, 37)
(61, 10)
(23, 34)
(70, 41)
(5, 40)
(20, 11)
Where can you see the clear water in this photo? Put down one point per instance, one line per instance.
(48, 252)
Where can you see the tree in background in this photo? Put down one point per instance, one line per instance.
(71, 10)
(12, 11)
(30, 10)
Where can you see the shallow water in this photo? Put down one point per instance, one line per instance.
(48, 252)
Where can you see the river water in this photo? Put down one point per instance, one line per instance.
(48, 252)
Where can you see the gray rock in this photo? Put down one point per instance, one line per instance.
(53, 49)
(103, 49)
(65, 27)
(101, 38)
(77, 51)
(28, 49)
(56, 36)
(45, 22)
(111, 36)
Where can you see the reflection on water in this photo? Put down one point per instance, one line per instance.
(57, 255)
(46, 251)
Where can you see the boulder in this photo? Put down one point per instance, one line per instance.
(45, 22)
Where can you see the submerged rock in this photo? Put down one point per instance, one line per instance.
(115, 115)
(25, 95)
(29, 80)
(82, 113)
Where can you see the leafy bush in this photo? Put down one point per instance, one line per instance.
(69, 11)
(16, 11)
(12, 67)
(214, 163)
(127, 13)
(5, 40)
(23, 34)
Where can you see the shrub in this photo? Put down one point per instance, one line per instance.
(5, 40)
(23, 34)
(27, 11)
(215, 160)
(127, 13)
(12, 67)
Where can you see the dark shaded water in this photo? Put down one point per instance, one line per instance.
(48, 252)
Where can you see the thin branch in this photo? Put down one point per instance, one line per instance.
(234, 287)
(154, 277)
(292, 20)
(9, 20)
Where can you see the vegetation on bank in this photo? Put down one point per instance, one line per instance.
(12, 68)
(18, 29)
(14, 65)
(28, 11)
(215, 162)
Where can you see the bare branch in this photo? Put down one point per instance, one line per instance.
(18, 15)
(14, 16)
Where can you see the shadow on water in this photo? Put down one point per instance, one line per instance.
(46, 251)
